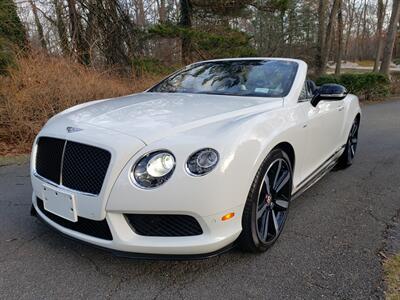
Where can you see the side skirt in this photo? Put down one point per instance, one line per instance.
(315, 176)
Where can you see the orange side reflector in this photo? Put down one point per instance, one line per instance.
(228, 216)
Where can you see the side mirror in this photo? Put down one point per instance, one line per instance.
(329, 92)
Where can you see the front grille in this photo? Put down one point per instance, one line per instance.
(74, 165)
(93, 228)
(84, 167)
(48, 158)
(164, 225)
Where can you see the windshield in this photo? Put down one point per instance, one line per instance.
(260, 78)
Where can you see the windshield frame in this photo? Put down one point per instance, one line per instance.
(194, 65)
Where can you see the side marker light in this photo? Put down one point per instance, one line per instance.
(228, 216)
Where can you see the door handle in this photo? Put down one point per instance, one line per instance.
(340, 108)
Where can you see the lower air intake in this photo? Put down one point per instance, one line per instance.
(164, 225)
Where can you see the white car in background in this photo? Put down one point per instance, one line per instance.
(208, 158)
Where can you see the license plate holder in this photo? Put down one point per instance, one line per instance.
(60, 203)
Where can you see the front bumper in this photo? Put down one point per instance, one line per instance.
(217, 237)
(133, 255)
(206, 199)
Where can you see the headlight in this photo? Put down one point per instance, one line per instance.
(202, 162)
(154, 169)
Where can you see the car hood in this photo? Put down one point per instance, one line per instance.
(151, 116)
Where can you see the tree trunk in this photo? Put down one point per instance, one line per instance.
(116, 25)
(186, 23)
(364, 33)
(390, 39)
(39, 26)
(328, 38)
(79, 45)
(163, 45)
(61, 29)
(350, 13)
(381, 16)
(340, 39)
(357, 37)
(321, 37)
(140, 15)
(162, 11)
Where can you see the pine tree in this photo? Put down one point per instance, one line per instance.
(12, 33)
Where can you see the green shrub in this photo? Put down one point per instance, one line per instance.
(397, 61)
(12, 34)
(6, 55)
(210, 42)
(395, 83)
(365, 85)
(151, 66)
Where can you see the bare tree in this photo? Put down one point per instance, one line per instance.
(379, 27)
(186, 22)
(163, 45)
(61, 28)
(351, 8)
(340, 38)
(79, 44)
(364, 32)
(123, 33)
(391, 35)
(39, 26)
(162, 10)
(321, 37)
(140, 13)
(328, 38)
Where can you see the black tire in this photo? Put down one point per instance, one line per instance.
(346, 159)
(266, 209)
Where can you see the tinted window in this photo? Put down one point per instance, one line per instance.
(263, 78)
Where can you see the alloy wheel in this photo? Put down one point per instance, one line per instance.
(352, 141)
(273, 200)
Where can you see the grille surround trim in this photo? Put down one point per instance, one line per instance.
(67, 189)
(60, 184)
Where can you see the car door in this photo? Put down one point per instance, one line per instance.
(323, 125)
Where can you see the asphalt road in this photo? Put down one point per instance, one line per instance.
(329, 248)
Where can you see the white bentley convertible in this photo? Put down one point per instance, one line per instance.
(208, 158)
